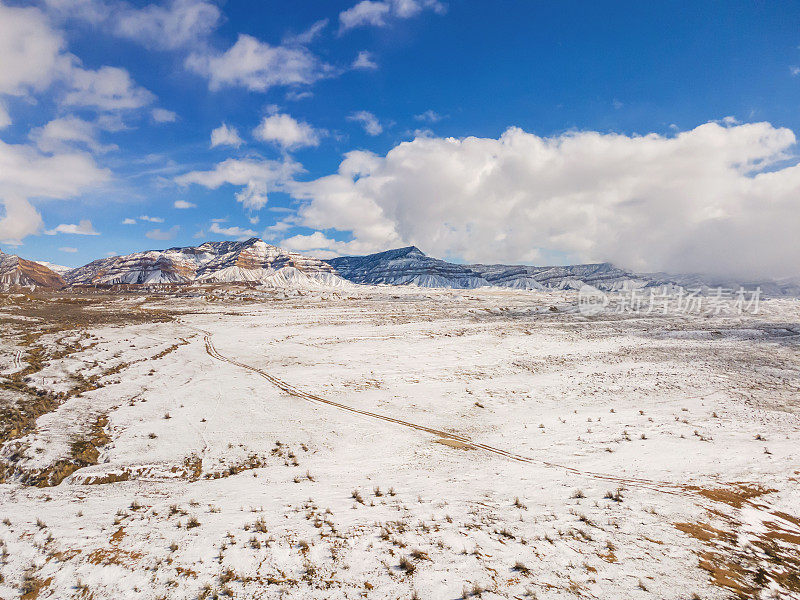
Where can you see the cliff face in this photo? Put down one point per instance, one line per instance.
(16, 271)
(256, 261)
(603, 276)
(411, 266)
(406, 266)
(249, 261)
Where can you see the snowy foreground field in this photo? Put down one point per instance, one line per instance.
(395, 443)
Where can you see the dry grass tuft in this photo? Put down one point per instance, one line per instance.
(407, 565)
(521, 567)
(419, 555)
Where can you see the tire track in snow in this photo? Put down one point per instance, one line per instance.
(659, 486)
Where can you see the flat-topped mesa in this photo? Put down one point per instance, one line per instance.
(604, 276)
(407, 265)
(251, 260)
(411, 251)
(410, 265)
(18, 272)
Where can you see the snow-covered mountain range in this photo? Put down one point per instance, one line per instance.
(411, 266)
(255, 261)
(252, 260)
(604, 276)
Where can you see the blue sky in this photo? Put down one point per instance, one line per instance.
(635, 132)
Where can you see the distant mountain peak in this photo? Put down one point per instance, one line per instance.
(60, 269)
(411, 251)
(408, 265)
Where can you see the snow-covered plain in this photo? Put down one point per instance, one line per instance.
(402, 443)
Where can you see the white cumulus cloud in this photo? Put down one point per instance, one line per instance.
(318, 245)
(26, 173)
(287, 132)
(63, 132)
(241, 172)
(254, 195)
(162, 115)
(184, 204)
(716, 199)
(107, 88)
(30, 51)
(33, 57)
(84, 227)
(257, 177)
(366, 12)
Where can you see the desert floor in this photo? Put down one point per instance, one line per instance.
(394, 443)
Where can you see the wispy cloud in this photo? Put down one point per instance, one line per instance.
(162, 115)
(259, 66)
(379, 13)
(163, 235)
(429, 116)
(368, 121)
(234, 232)
(307, 36)
(225, 136)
